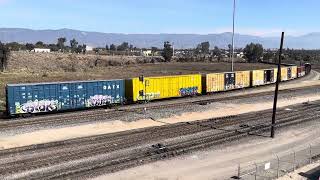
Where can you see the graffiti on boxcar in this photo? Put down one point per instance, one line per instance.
(188, 91)
(149, 96)
(99, 100)
(258, 82)
(239, 85)
(230, 86)
(153, 95)
(37, 106)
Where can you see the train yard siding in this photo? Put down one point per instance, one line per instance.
(218, 109)
(61, 96)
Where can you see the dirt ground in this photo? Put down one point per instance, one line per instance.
(68, 62)
(118, 72)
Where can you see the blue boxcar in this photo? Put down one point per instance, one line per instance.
(61, 96)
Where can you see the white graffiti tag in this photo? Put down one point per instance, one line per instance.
(99, 100)
(39, 106)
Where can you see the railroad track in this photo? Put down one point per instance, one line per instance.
(103, 115)
(163, 129)
(172, 150)
(211, 131)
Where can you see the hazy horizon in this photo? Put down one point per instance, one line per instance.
(225, 32)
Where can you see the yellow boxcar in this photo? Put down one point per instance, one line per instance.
(242, 79)
(294, 72)
(151, 88)
(275, 71)
(257, 77)
(284, 73)
(214, 82)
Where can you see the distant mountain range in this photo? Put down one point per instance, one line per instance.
(98, 39)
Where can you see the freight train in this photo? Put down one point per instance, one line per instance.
(33, 98)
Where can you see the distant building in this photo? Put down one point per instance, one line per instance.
(89, 48)
(240, 55)
(40, 50)
(147, 53)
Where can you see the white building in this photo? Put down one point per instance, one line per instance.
(147, 53)
(89, 48)
(40, 50)
(240, 55)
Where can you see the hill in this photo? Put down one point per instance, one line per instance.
(308, 41)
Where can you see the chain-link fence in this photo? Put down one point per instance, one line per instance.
(280, 164)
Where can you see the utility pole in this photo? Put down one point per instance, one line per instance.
(232, 55)
(273, 123)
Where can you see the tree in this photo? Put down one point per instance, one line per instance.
(167, 51)
(154, 50)
(40, 44)
(30, 46)
(96, 50)
(253, 52)
(84, 48)
(205, 46)
(307, 58)
(13, 46)
(53, 47)
(230, 49)
(107, 47)
(216, 51)
(113, 47)
(3, 56)
(198, 49)
(61, 42)
(268, 56)
(123, 47)
(79, 49)
(74, 45)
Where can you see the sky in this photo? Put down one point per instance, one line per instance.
(253, 17)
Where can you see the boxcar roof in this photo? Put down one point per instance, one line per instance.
(62, 82)
(168, 76)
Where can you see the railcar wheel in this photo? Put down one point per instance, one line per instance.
(26, 115)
